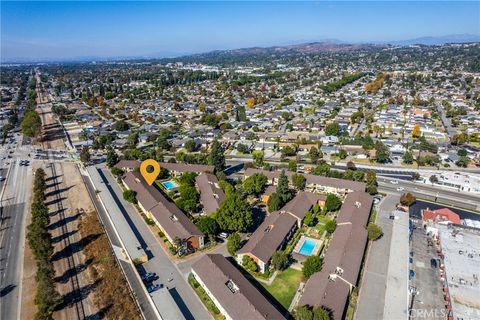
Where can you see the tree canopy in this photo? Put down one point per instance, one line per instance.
(234, 213)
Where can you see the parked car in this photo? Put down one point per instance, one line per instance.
(149, 277)
(411, 274)
(433, 263)
(154, 287)
(223, 235)
(394, 181)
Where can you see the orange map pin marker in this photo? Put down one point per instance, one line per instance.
(150, 176)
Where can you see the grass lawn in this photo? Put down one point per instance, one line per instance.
(284, 287)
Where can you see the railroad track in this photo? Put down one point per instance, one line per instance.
(77, 295)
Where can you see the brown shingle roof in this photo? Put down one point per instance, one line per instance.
(345, 251)
(172, 219)
(312, 179)
(269, 235)
(244, 301)
(211, 194)
(302, 202)
(263, 244)
(183, 167)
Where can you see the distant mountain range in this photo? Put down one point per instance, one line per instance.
(335, 45)
(431, 41)
(306, 47)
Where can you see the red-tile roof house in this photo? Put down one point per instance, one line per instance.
(331, 286)
(169, 218)
(444, 216)
(232, 293)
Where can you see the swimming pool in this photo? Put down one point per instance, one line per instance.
(169, 185)
(307, 247)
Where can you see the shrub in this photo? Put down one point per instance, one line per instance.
(312, 265)
(374, 231)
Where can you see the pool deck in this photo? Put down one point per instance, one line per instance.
(296, 251)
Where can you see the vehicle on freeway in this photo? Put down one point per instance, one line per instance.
(154, 287)
(400, 188)
(394, 181)
(149, 277)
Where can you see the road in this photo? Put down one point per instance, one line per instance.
(373, 286)
(128, 269)
(159, 261)
(422, 190)
(12, 232)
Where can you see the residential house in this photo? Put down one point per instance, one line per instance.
(211, 195)
(277, 229)
(167, 216)
(232, 293)
(332, 286)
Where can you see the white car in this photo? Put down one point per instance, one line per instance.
(394, 181)
(400, 188)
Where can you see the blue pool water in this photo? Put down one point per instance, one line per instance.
(307, 247)
(169, 185)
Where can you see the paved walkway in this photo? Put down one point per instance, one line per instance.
(371, 298)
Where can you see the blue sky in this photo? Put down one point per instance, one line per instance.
(75, 29)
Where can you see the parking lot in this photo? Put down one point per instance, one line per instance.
(426, 278)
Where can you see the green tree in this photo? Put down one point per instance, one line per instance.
(314, 155)
(274, 202)
(371, 182)
(242, 148)
(130, 196)
(331, 226)
(234, 213)
(292, 166)
(333, 129)
(190, 145)
(322, 169)
(188, 198)
(374, 231)
(121, 125)
(249, 264)
(257, 156)
(85, 154)
(279, 260)
(309, 219)
(333, 202)
(233, 243)
(282, 187)
(112, 157)
(462, 161)
(382, 153)
(255, 183)
(31, 124)
(408, 158)
(298, 181)
(312, 265)
(367, 143)
(216, 156)
(342, 154)
(207, 225)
